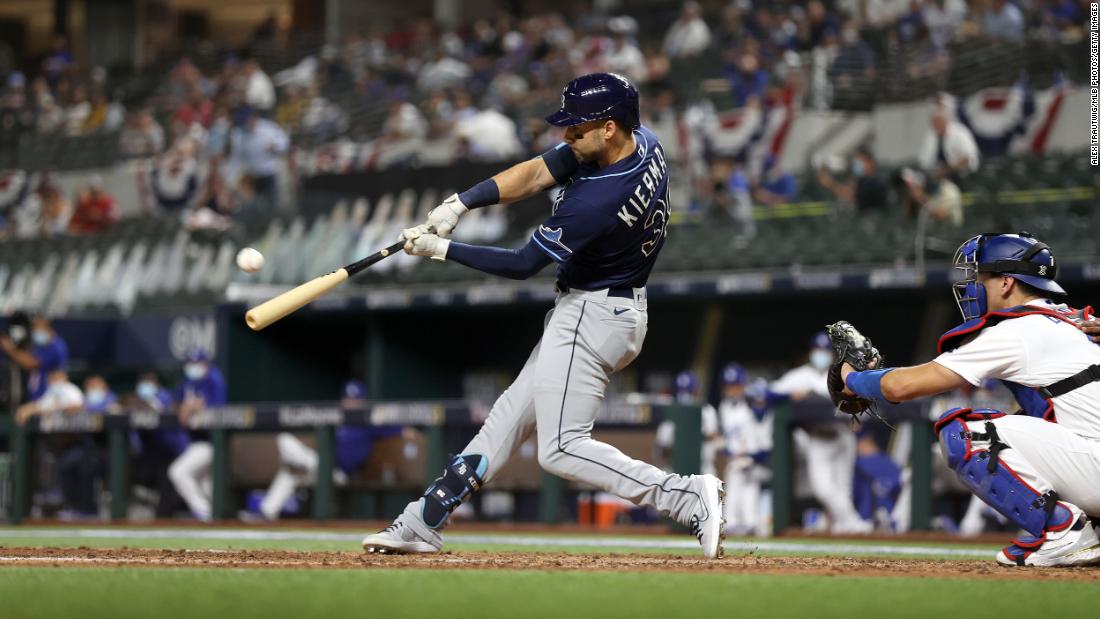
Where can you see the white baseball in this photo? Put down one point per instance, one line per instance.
(250, 260)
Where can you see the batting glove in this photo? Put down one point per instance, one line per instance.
(445, 216)
(428, 245)
(409, 234)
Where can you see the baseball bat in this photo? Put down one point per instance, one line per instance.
(276, 308)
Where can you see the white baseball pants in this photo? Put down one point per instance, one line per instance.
(190, 474)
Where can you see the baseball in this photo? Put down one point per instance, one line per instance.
(250, 260)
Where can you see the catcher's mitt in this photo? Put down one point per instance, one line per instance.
(851, 347)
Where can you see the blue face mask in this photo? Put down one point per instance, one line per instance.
(194, 371)
(857, 167)
(821, 359)
(969, 292)
(96, 397)
(40, 337)
(146, 390)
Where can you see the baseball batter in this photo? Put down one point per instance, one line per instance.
(1039, 469)
(608, 225)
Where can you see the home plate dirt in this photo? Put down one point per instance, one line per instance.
(281, 559)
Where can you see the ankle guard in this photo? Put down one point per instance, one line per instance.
(992, 480)
(462, 477)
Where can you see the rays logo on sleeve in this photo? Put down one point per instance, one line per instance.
(550, 240)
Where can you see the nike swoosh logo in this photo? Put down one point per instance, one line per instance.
(620, 310)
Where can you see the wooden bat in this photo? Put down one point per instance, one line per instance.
(276, 308)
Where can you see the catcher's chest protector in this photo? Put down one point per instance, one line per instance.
(1031, 401)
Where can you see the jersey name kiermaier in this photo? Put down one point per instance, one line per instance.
(1035, 351)
(608, 224)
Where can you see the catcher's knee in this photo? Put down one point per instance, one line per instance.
(954, 439)
(462, 477)
(975, 457)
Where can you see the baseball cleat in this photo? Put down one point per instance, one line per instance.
(709, 524)
(1078, 546)
(400, 539)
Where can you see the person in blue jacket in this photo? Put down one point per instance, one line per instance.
(203, 387)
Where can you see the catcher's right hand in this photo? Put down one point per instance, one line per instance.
(851, 347)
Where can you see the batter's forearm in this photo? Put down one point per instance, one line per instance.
(523, 180)
(511, 263)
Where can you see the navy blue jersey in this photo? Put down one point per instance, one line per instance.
(608, 224)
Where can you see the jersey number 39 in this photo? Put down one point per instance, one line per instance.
(658, 223)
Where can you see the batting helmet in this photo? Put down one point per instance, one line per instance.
(1018, 255)
(597, 96)
(734, 374)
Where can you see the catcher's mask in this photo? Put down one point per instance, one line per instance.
(1018, 255)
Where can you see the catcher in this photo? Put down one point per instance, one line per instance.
(1039, 467)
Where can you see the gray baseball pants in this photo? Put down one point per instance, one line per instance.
(586, 337)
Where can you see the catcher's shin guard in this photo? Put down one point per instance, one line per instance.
(462, 477)
(976, 457)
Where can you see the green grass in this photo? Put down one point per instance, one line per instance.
(242, 593)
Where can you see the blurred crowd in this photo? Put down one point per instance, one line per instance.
(516, 65)
(59, 98)
(41, 208)
(223, 138)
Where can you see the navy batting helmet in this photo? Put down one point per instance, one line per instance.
(597, 96)
(1018, 255)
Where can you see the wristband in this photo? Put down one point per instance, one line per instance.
(868, 384)
(485, 193)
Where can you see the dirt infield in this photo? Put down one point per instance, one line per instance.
(279, 559)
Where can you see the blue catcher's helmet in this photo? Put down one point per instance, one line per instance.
(597, 96)
(687, 386)
(734, 374)
(1018, 255)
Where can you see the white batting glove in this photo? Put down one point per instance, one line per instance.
(409, 234)
(429, 245)
(445, 216)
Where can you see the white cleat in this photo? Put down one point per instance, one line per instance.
(400, 539)
(1077, 547)
(709, 523)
